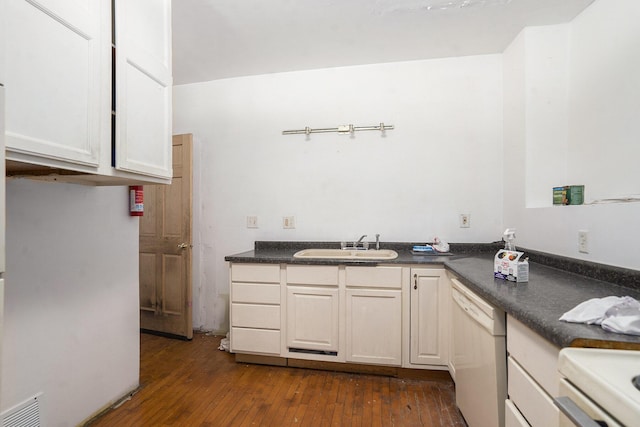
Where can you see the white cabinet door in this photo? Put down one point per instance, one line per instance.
(2, 41)
(313, 318)
(429, 314)
(54, 81)
(2, 189)
(143, 86)
(1, 318)
(374, 326)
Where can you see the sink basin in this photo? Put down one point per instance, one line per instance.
(380, 254)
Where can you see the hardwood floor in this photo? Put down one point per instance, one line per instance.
(192, 383)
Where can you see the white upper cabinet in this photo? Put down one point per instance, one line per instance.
(143, 86)
(61, 85)
(53, 80)
(2, 41)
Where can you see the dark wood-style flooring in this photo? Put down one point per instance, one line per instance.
(192, 383)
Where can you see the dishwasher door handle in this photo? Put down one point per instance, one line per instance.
(466, 305)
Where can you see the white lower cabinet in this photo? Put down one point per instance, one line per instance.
(374, 315)
(429, 317)
(532, 377)
(255, 315)
(255, 340)
(341, 313)
(513, 417)
(313, 319)
(313, 312)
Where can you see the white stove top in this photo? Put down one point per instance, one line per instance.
(605, 376)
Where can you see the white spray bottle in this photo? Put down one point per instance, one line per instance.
(509, 238)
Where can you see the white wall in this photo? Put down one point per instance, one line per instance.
(591, 138)
(442, 159)
(71, 301)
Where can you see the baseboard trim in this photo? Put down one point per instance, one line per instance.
(110, 406)
(352, 368)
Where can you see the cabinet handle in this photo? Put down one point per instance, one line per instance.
(415, 281)
(575, 414)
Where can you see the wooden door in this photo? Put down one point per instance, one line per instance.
(165, 249)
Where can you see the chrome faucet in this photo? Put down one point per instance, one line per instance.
(360, 244)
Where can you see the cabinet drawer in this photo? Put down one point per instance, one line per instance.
(313, 275)
(255, 340)
(584, 403)
(532, 401)
(260, 293)
(374, 277)
(535, 354)
(255, 316)
(265, 273)
(513, 417)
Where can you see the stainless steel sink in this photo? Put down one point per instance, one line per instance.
(379, 254)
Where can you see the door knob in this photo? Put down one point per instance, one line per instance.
(183, 245)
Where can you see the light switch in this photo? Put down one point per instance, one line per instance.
(288, 222)
(252, 221)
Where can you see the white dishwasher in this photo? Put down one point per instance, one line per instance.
(479, 358)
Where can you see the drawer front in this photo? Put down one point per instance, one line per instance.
(261, 293)
(513, 417)
(261, 273)
(326, 275)
(374, 277)
(255, 316)
(584, 403)
(535, 354)
(255, 340)
(532, 401)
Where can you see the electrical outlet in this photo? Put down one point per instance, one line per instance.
(252, 221)
(583, 241)
(288, 222)
(465, 220)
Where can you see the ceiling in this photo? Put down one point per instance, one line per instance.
(217, 39)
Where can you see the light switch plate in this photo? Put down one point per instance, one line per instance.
(288, 222)
(252, 221)
(465, 220)
(583, 241)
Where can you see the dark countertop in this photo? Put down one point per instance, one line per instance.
(282, 252)
(285, 256)
(538, 303)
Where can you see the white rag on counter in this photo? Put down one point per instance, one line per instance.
(614, 314)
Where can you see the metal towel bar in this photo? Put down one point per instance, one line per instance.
(340, 129)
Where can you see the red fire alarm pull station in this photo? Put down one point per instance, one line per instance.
(136, 200)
